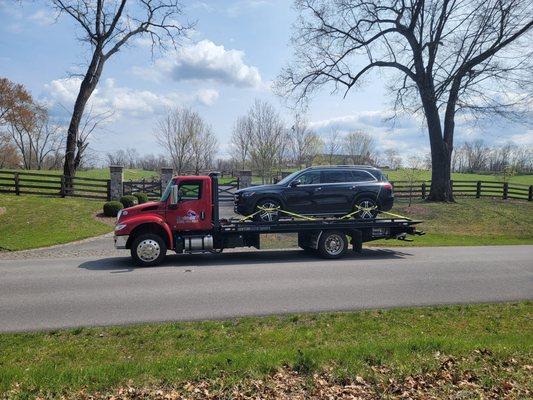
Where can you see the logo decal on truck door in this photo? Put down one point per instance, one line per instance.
(190, 216)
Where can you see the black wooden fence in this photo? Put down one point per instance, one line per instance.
(21, 182)
(478, 189)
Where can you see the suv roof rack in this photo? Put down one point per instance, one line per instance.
(342, 166)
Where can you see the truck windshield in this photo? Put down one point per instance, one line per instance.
(166, 193)
(285, 181)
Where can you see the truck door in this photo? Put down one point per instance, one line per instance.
(193, 211)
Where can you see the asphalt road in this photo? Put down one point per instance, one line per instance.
(49, 293)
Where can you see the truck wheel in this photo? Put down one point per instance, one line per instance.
(148, 249)
(266, 216)
(332, 244)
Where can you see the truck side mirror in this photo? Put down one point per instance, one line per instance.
(295, 183)
(174, 195)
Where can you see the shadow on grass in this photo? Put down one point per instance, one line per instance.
(250, 258)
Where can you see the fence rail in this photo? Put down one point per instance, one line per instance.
(20, 182)
(478, 189)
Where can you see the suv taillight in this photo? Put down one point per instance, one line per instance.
(387, 186)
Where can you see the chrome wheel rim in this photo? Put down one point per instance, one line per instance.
(334, 244)
(268, 216)
(148, 250)
(367, 207)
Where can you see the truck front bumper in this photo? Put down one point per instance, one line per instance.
(120, 241)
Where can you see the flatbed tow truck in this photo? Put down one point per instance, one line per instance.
(186, 220)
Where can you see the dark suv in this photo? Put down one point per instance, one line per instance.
(320, 191)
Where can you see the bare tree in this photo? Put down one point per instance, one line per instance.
(241, 139)
(392, 159)
(187, 139)
(332, 146)
(359, 147)
(477, 156)
(268, 137)
(449, 56)
(107, 25)
(118, 157)
(91, 121)
(305, 145)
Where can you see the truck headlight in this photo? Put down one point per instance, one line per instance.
(119, 227)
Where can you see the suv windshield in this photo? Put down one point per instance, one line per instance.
(285, 181)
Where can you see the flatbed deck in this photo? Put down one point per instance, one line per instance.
(294, 226)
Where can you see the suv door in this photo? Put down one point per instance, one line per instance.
(338, 191)
(300, 199)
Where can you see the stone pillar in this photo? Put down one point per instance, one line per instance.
(117, 179)
(166, 176)
(245, 179)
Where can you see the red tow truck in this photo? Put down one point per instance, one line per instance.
(186, 220)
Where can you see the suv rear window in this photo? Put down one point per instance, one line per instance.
(336, 176)
(362, 176)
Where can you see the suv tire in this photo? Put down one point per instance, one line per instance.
(367, 203)
(264, 216)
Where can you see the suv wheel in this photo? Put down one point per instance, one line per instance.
(148, 250)
(369, 208)
(332, 244)
(267, 216)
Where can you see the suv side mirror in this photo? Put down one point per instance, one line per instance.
(295, 183)
(174, 195)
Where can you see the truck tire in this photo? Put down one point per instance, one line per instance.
(332, 244)
(148, 249)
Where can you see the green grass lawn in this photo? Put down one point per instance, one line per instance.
(37, 221)
(468, 222)
(493, 343)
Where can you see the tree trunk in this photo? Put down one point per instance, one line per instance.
(94, 71)
(441, 189)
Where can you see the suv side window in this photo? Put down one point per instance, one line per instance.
(336, 176)
(362, 176)
(310, 178)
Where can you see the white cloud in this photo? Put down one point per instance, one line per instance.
(122, 101)
(204, 61)
(43, 17)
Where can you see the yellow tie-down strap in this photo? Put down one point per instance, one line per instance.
(276, 209)
(307, 218)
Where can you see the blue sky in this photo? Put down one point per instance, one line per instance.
(236, 50)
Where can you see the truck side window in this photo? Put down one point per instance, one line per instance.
(190, 190)
(336, 177)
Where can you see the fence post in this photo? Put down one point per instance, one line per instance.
(505, 190)
(62, 190)
(530, 194)
(109, 190)
(17, 188)
(116, 182)
(245, 178)
(166, 177)
(423, 190)
(478, 189)
(144, 185)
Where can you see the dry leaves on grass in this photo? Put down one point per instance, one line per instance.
(449, 381)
